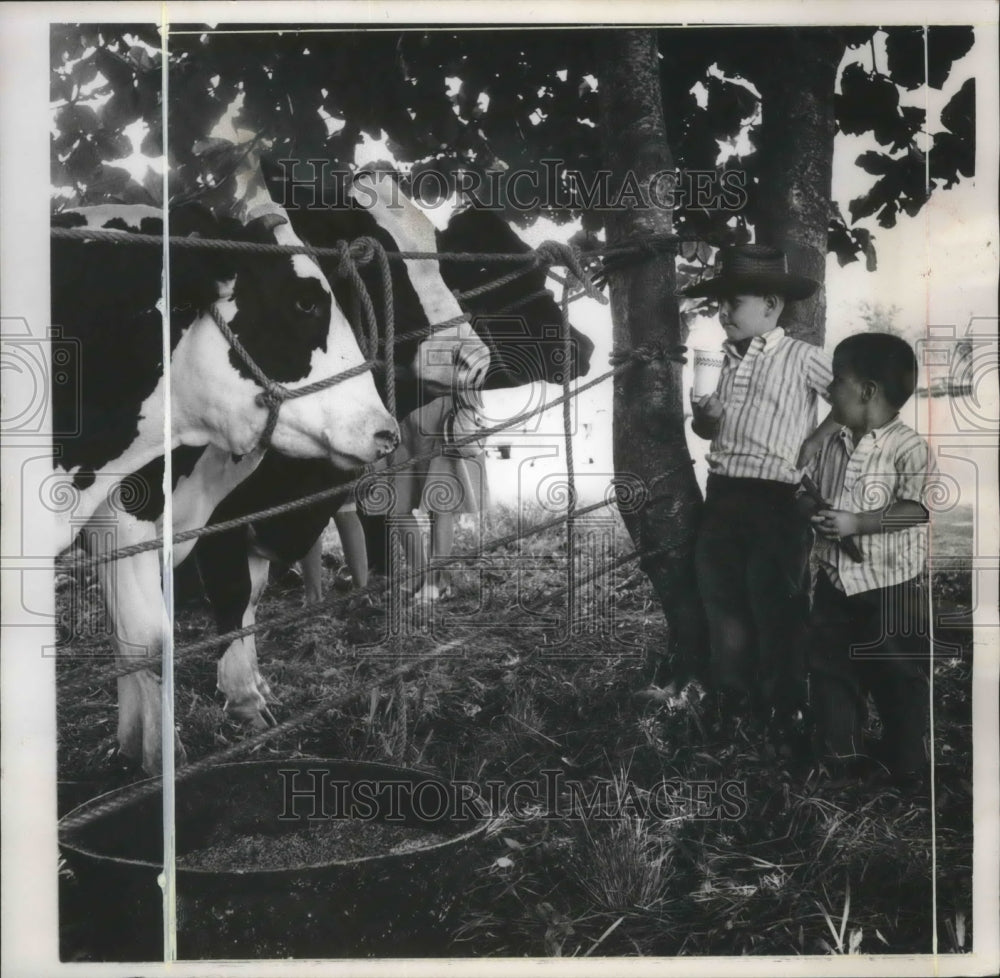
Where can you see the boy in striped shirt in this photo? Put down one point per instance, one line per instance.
(752, 549)
(869, 629)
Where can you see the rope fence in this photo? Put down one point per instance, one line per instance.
(349, 256)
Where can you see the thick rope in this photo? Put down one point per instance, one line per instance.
(224, 525)
(557, 253)
(348, 268)
(258, 248)
(274, 393)
(622, 360)
(145, 789)
(335, 602)
(641, 246)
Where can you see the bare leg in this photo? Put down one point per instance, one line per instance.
(352, 539)
(442, 547)
(312, 572)
(413, 572)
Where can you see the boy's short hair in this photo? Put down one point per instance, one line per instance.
(887, 360)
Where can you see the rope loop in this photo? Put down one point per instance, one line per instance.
(557, 253)
(364, 249)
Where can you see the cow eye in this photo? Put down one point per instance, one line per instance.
(307, 306)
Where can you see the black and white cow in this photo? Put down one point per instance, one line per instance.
(216, 480)
(526, 346)
(105, 300)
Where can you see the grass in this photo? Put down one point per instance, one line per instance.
(799, 867)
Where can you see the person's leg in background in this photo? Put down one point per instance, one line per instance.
(352, 539)
(442, 547)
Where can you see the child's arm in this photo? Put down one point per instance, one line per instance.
(706, 413)
(818, 376)
(835, 524)
(814, 441)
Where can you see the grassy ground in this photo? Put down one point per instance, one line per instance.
(767, 857)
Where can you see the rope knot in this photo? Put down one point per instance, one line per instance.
(557, 253)
(273, 396)
(345, 260)
(363, 250)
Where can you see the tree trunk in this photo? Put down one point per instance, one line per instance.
(796, 164)
(649, 441)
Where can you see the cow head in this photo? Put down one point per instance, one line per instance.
(282, 310)
(371, 204)
(526, 344)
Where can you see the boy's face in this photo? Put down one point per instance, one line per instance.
(847, 400)
(746, 316)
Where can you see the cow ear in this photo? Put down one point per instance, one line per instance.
(260, 228)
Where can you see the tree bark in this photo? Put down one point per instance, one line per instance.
(649, 440)
(796, 164)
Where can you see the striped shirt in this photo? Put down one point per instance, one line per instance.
(889, 464)
(769, 395)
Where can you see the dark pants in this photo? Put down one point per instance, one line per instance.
(876, 642)
(752, 565)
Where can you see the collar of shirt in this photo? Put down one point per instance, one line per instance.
(765, 342)
(875, 434)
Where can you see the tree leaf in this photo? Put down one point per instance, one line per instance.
(115, 68)
(112, 145)
(77, 118)
(82, 162)
(107, 181)
(875, 163)
(945, 45)
(904, 47)
(959, 115)
(121, 110)
(84, 71)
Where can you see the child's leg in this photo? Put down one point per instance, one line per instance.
(312, 572)
(898, 676)
(837, 697)
(352, 539)
(412, 569)
(720, 562)
(442, 546)
(777, 583)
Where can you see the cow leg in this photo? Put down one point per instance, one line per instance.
(234, 578)
(131, 588)
(239, 677)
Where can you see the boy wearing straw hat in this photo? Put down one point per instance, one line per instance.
(752, 549)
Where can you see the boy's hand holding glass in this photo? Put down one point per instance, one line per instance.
(706, 413)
